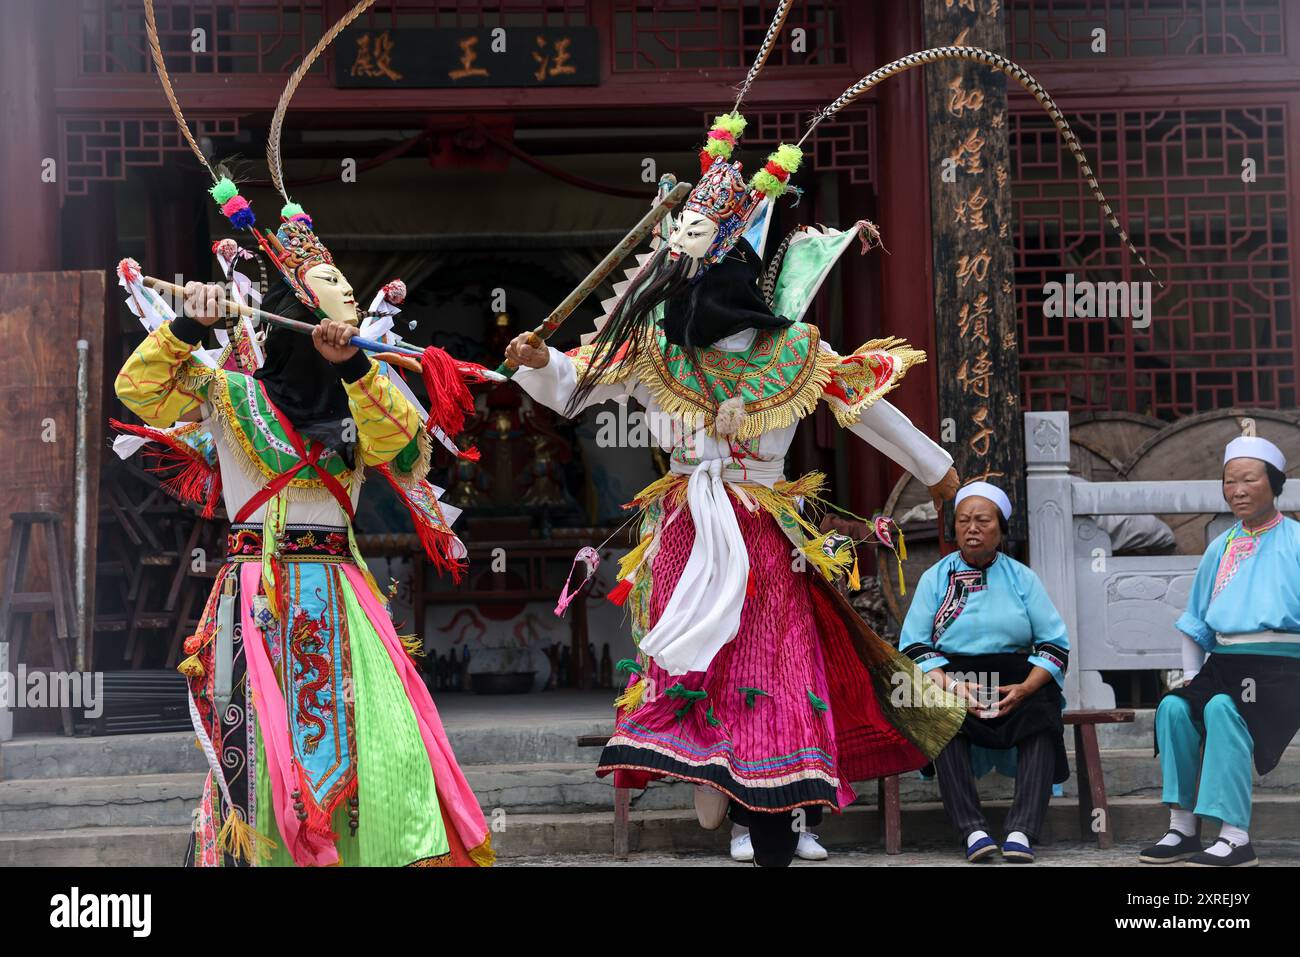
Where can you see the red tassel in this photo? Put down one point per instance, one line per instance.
(194, 480)
(470, 454)
(318, 819)
(449, 397)
(750, 590)
(437, 541)
(618, 594)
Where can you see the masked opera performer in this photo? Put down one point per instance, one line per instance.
(754, 678)
(981, 625)
(323, 744)
(1238, 708)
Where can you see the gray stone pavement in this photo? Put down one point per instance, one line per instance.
(1271, 854)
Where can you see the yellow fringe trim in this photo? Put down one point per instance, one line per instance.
(632, 698)
(632, 560)
(831, 567)
(191, 667)
(787, 407)
(413, 644)
(483, 855)
(863, 380)
(241, 840)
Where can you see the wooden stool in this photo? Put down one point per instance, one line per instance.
(1087, 764)
(17, 608)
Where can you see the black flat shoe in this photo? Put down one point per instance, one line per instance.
(1188, 846)
(1241, 855)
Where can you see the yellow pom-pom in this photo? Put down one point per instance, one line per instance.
(787, 157)
(733, 123)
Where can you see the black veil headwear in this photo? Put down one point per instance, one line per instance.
(301, 382)
(726, 300)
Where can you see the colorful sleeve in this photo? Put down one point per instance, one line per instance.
(161, 381)
(1051, 648)
(873, 371)
(917, 637)
(1192, 622)
(386, 422)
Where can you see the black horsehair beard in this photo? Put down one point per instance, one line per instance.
(631, 321)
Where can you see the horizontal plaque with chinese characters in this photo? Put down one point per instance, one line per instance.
(503, 56)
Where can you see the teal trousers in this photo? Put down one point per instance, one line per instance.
(1226, 770)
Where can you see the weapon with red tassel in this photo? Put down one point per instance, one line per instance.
(445, 378)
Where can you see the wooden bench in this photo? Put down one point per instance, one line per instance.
(1087, 763)
(888, 795)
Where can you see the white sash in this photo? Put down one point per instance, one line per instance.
(703, 613)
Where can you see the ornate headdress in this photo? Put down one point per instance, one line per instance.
(722, 195)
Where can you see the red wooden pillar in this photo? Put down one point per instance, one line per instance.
(29, 241)
(903, 186)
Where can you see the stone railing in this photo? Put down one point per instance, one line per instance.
(1120, 610)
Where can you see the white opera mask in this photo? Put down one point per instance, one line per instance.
(334, 293)
(692, 235)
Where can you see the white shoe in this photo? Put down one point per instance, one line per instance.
(809, 849)
(742, 848)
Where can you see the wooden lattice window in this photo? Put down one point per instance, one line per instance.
(476, 14)
(658, 35)
(1222, 332)
(1064, 29)
(238, 36)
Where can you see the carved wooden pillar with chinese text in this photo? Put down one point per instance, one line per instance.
(970, 202)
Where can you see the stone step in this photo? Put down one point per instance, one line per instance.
(569, 788)
(34, 804)
(140, 800)
(514, 740)
(54, 756)
(528, 837)
(96, 847)
(1136, 820)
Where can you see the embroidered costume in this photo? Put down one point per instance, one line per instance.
(1241, 708)
(323, 744)
(754, 677)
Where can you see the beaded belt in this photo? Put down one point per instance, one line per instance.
(301, 543)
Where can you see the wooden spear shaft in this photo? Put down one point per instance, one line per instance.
(606, 266)
(297, 325)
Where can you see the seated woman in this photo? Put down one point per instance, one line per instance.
(982, 626)
(1245, 608)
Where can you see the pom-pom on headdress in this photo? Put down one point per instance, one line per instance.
(722, 194)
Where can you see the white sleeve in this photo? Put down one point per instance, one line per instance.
(889, 431)
(554, 383)
(1193, 658)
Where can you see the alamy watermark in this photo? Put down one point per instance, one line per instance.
(79, 690)
(1083, 299)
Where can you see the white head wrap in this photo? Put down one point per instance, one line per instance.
(1254, 447)
(988, 491)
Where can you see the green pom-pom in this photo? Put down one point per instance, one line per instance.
(787, 157)
(224, 191)
(292, 209)
(767, 184)
(718, 148)
(733, 123)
